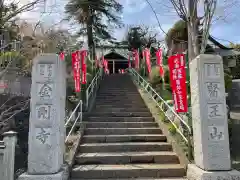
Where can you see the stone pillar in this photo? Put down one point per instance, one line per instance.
(46, 129)
(10, 140)
(209, 119)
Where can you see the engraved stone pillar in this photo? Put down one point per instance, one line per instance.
(46, 128)
(209, 119)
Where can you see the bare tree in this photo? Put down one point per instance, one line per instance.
(188, 12)
(17, 9)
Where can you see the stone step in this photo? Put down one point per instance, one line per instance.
(127, 87)
(120, 102)
(163, 157)
(121, 114)
(112, 105)
(117, 93)
(118, 97)
(120, 131)
(117, 101)
(131, 109)
(120, 124)
(124, 138)
(119, 119)
(125, 147)
(109, 95)
(138, 179)
(128, 171)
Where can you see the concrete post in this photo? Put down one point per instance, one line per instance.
(46, 129)
(209, 119)
(10, 139)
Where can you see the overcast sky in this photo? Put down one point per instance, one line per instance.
(138, 12)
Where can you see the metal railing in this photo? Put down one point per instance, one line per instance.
(94, 84)
(164, 107)
(76, 112)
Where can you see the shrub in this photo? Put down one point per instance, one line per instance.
(155, 77)
(172, 129)
(228, 81)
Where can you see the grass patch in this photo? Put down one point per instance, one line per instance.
(159, 115)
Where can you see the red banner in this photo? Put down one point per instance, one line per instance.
(129, 62)
(83, 55)
(61, 55)
(84, 74)
(136, 58)
(148, 60)
(76, 71)
(178, 82)
(105, 64)
(159, 57)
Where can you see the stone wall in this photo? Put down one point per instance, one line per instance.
(14, 83)
(234, 95)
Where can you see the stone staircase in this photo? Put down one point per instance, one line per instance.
(122, 140)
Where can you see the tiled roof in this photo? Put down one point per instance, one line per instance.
(123, 52)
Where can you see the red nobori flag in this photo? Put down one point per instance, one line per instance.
(159, 57)
(61, 55)
(76, 71)
(148, 60)
(136, 56)
(105, 65)
(83, 54)
(84, 72)
(177, 73)
(129, 62)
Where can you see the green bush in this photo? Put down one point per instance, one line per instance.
(162, 116)
(155, 77)
(172, 129)
(228, 81)
(166, 75)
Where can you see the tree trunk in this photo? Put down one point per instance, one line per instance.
(193, 31)
(90, 34)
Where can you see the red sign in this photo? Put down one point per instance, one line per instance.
(129, 63)
(136, 58)
(83, 55)
(84, 74)
(148, 60)
(178, 82)
(105, 64)
(76, 71)
(61, 55)
(3, 86)
(159, 58)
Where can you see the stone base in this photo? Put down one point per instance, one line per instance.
(196, 173)
(62, 175)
